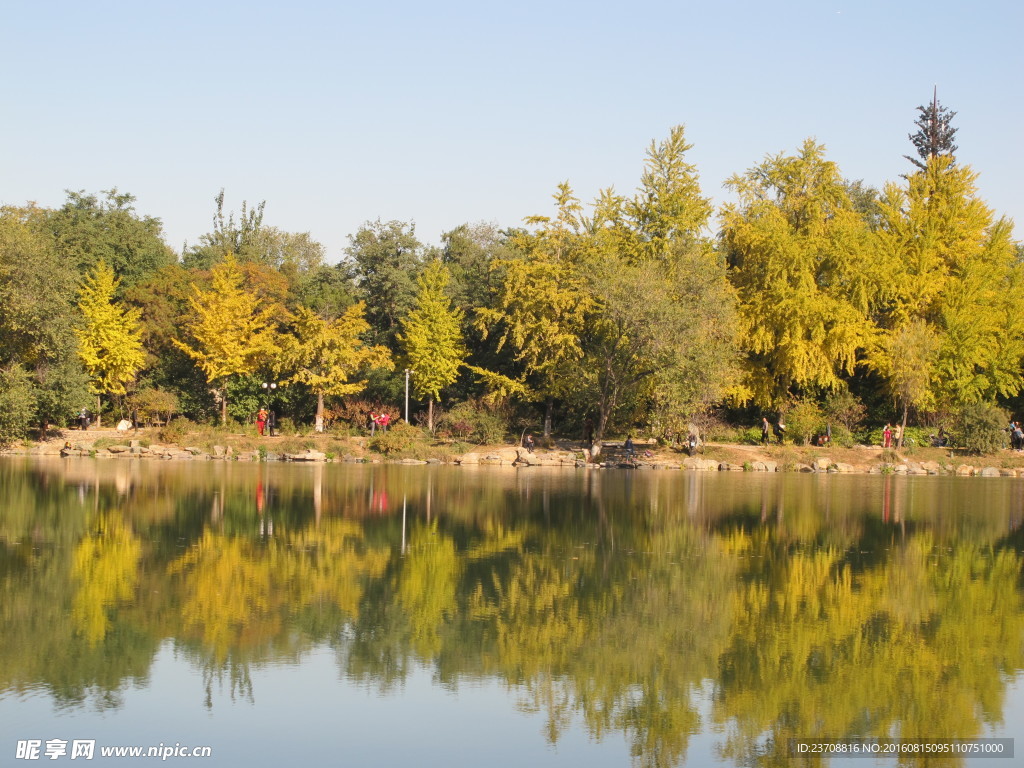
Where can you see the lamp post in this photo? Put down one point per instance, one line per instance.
(269, 389)
(406, 395)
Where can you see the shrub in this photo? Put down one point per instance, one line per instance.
(844, 408)
(890, 456)
(177, 430)
(154, 405)
(398, 438)
(750, 436)
(803, 421)
(980, 428)
(470, 422)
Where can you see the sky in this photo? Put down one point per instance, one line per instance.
(443, 113)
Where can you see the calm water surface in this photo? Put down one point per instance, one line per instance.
(389, 615)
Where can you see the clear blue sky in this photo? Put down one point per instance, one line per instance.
(440, 113)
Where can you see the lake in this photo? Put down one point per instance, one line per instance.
(382, 615)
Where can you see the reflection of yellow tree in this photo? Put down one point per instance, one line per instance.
(426, 590)
(239, 593)
(913, 648)
(622, 641)
(105, 566)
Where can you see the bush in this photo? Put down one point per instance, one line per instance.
(398, 438)
(469, 422)
(750, 436)
(803, 421)
(177, 430)
(980, 428)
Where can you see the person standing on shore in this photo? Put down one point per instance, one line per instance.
(261, 421)
(887, 436)
(765, 430)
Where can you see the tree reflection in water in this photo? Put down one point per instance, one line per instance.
(809, 606)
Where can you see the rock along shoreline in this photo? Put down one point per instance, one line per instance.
(515, 458)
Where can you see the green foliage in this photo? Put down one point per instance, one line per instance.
(934, 134)
(803, 421)
(842, 436)
(87, 230)
(749, 436)
(473, 422)
(842, 408)
(384, 259)
(176, 430)
(17, 404)
(398, 438)
(890, 456)
(154, 404)
(980, 428)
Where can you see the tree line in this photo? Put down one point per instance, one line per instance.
(808, 293)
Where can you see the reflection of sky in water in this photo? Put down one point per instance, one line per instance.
(306, 713)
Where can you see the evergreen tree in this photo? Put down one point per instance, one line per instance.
(934, 135)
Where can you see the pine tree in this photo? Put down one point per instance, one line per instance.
(935, 131)
(231, 328)
(110, 343)
(431, 336)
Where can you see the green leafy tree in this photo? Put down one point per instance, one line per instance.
(659, 343)
(38, 291)
(384, 259)
(88, 229)
(431, 337)
(229, 237)
(329, 356)
(110, 340)
(232, 330)
(17, 404)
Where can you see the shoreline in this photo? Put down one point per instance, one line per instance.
(721, 457)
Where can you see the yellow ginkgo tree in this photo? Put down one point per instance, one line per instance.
(432, 337)
(110, 339)
(329, 356)
(232, 330)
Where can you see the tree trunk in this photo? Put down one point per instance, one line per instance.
(319, 411)
(99, 409)
(548, 413)
(430, 415)
(903, 429)
(224, 407)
